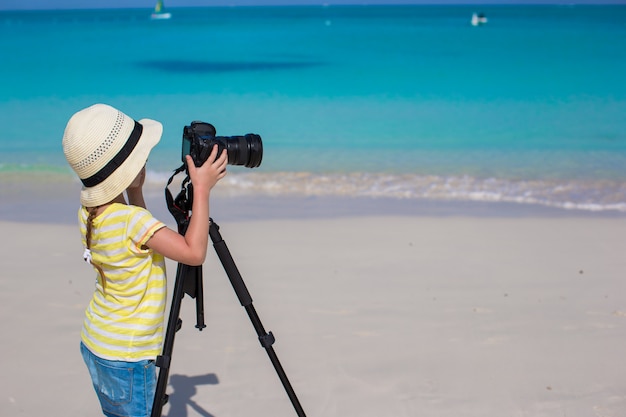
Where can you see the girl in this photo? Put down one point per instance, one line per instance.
(123, 328)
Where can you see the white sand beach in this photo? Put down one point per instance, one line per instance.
(374, 315)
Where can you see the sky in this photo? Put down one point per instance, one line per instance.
(101, 4)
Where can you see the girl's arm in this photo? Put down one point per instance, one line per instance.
(191, 248)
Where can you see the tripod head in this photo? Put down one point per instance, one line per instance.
(180, 206)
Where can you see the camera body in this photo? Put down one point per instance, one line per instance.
(200, 137)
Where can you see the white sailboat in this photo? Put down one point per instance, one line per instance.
(159, 12)
(478, 19)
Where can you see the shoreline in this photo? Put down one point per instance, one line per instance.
(54, 198)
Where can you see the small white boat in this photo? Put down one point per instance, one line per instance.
(478, 19)
(159, 12)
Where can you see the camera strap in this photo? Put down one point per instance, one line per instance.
(179, 206)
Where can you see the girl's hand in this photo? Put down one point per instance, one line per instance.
(212, 170)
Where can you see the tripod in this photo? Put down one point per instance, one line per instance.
(189, 281)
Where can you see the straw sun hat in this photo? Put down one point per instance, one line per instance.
(107, 149)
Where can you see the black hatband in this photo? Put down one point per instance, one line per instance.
(117, 160)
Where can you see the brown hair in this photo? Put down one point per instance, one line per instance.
(92, 215)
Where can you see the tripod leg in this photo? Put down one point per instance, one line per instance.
(266, 339)
(173, 325)
(199, 301)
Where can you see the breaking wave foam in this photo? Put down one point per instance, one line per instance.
(588, 195)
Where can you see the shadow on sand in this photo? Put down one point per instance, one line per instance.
(184, 388)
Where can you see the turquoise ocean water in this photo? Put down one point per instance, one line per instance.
(407, 102)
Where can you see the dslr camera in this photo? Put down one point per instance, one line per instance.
(200, 137)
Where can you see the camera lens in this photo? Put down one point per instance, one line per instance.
(243, 150)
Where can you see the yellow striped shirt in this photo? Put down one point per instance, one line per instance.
(125, 321)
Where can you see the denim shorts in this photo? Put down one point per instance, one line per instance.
(125, 389)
